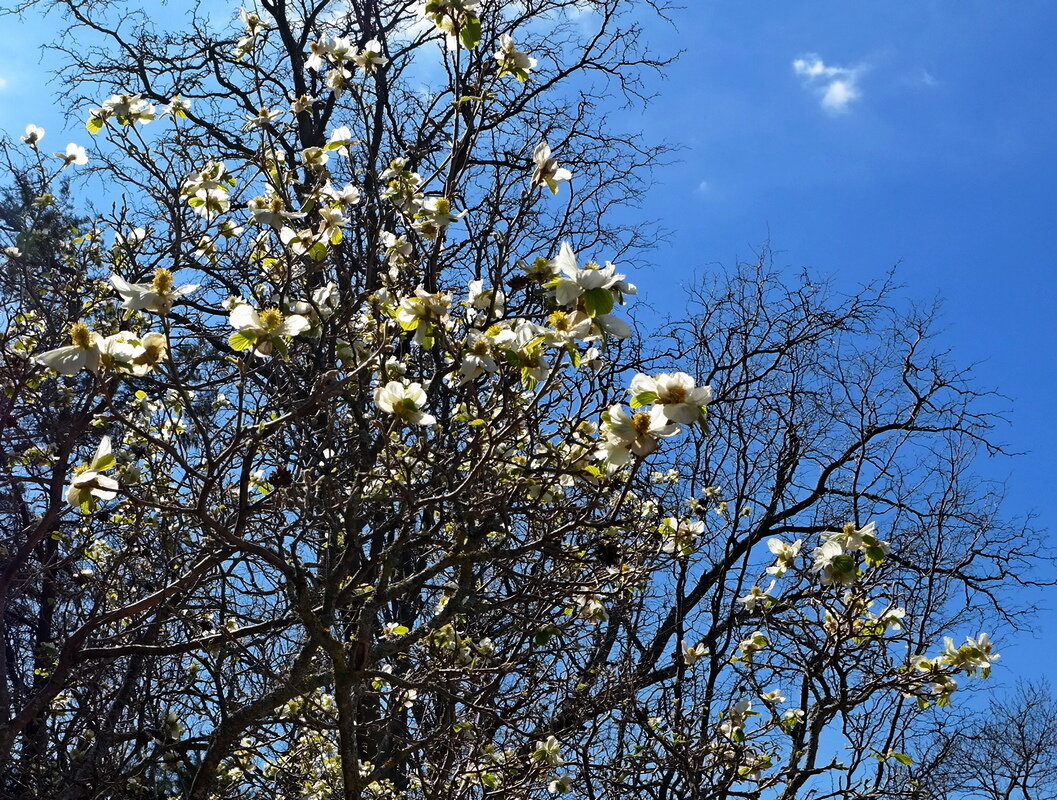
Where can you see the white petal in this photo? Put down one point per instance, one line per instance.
(66, 360)
(243, 317)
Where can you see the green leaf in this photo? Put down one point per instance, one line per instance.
(104, 463)
(336, 237)
(241, 341)
(318, 251)
(903, 758)
(471, 33)
(643, 399)
(94, 125)
(574, 354)
(598, 301)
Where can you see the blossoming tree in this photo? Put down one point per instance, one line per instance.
(350, 478)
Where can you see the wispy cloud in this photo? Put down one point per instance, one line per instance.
(3, 83)
(922, 78)
(836, 87)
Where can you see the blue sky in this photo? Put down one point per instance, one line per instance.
(921, 133)
(855, 136)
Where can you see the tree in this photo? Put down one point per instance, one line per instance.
(334, 492)
(1008, 751)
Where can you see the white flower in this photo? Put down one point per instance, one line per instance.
(834, 564)
(476, 359)
(404, 401)
(693, 653)
(757, 596)
(75, 154)
(34, 133)
(973, 655)
(153, 349)
(421, 312)
(89, 483)
(863, 539)
(177, 106)
(456, 19)
(773, 698)
(753, 643)
(512, 61)
(572, 281)
(263, 331)
(484, 299)
(680, 535)
(370, 58)
(339, 141)
(434, 215)
(157, 296)
(785, 555)
(302, 103)
(548, 751)
(565, 327)
(547, 170)
(560, 784)
(639, 434)
(254, 24)
(265, 117)
(676, 394)
(82, 354)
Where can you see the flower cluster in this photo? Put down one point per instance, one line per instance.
(207, 190)
(124, 109)
(512, 61)
(456, 19)
(123, 353)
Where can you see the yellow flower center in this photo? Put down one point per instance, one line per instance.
(560, 321)
(675, 394)
(81, 336)
(443, 205)
(849, 529)
(480, 348)
(641, 423)
(271, 318)
(163, 281)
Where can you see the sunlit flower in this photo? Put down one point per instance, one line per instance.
(757, 596)
(75, 154)
(547, 171)
(834, 565)
(677, 394)
(572, 281)
(785, 555)
(370, 58)
(639, 434)
(82, 354)
(264, 331)
(34, 133)
(157, 296)
(694, 653)
(89, 484)
(177, 106)
(405, 401)
(512, 61)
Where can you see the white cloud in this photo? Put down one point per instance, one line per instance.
(3, 83)
(703, 187)
(836, 87)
